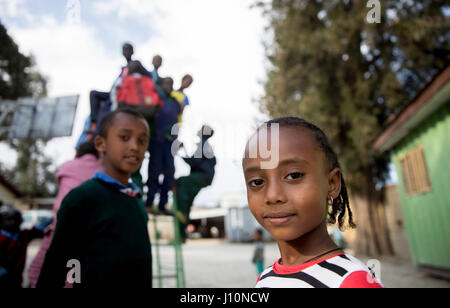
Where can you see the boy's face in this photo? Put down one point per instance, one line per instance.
(124, 146)
(290, 200)
(186, 82)
(167, 85)
(127, 52)
(157, 61)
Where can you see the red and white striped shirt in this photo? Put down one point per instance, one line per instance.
(339, 271)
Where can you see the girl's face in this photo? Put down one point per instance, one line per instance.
(290, 200)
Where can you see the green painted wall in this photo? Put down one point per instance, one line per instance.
(427, 216)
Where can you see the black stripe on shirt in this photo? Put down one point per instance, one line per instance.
(269, 274)
(345, 257)
(334, 268)
(300, 276)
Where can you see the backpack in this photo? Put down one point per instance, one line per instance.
(138, 92)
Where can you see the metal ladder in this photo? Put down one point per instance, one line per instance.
(178, 273)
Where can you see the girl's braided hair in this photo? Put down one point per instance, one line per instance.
(341, 204)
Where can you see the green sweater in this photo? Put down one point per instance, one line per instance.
(106, 231)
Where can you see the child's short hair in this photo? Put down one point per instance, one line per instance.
(188, 77)
(135, 67)
(341, 204)
(127, 45)
(167, 79)
(86, 148)
(157, 59)
(164, 81)
(108, 119)
(9, 210)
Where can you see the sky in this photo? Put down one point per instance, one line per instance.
(77, 45)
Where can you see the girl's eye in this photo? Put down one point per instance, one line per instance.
(294, 175)
(255, 183)
(124, 137)
(143, 141)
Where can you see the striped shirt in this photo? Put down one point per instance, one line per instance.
(339, 271)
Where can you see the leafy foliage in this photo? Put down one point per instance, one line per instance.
(331, 66)
(32, 174)
(348, 76)
(18, 75)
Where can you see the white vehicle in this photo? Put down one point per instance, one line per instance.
(33, 217)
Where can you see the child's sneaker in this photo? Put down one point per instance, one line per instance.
(152, 209)
(164, 212)
(181, 217)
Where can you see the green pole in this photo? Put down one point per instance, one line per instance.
(181, 283)
(156, 245)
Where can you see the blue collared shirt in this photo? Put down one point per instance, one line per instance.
(10, 235)
(131, 191)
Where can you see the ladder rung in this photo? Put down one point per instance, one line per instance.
(161, 217)
(164, 276)
(163, 243)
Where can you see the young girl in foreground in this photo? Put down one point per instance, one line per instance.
(292, 201)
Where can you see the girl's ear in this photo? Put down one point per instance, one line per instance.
(334, 183)
(99, 143)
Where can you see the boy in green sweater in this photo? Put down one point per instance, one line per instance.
(101, 237)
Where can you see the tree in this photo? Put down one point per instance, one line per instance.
(32, 173)
(348, 76)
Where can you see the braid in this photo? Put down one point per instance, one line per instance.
(341, 204)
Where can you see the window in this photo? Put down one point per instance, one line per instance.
(414, 172)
